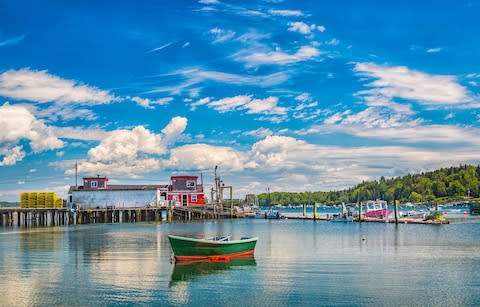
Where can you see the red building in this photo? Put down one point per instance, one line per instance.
(95, 182)
(185, 191)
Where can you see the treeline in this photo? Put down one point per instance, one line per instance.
(452, 183)
(4, 204)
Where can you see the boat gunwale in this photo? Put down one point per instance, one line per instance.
(230, 242)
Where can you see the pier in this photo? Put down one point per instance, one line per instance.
(31, 217)
(38, 217)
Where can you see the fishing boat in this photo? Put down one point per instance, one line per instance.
(376, 208)
(214, 248)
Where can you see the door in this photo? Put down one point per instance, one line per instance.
(184, 200)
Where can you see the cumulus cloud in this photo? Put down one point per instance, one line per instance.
(134, 151)
(11, 155)
(203, 156)
(17, 123)
(174, 129)
(40, 86)
(277, 57)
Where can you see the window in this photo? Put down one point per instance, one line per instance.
(93, 184)
(190, 183)
(194, 198)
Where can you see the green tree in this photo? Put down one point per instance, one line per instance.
(415, 197)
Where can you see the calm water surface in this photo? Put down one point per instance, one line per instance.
(297, 263)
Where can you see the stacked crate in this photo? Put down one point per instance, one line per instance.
(41, 200)
(50, 199)
(24, 200)
(59, 203)
(32, 199)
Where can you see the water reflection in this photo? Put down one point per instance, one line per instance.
(187, 271)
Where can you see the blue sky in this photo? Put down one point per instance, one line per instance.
(285, 95)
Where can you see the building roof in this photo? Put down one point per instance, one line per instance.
(122, 187)
(183, 177)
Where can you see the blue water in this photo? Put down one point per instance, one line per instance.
(297, 263)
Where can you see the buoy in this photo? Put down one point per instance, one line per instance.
(364, 239)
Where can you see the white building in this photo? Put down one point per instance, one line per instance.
(97, 193)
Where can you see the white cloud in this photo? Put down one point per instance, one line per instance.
(333, 42)
(56, 112)
(32, 170)
(197, 75)
(200, 102)
(174, 129)
(203, 156)
(221, 35)
(229, 103)
(260, 132)
(161, 47)
(304, 97)
(402, 82)
(18, 123)
(126, 145)
(80, 133)
(40, 86)
(208, 1)
(301, 27)
(149, 104)
(335, 118)
(277, 57)
(131, 152)
(286, 13)
(11, 155)
(434, 50)
(267, 106)
(12, 41)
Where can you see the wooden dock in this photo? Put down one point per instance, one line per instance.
(34, 217)
(201, 213)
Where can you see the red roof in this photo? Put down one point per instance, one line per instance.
(183, 177)
(91, 178)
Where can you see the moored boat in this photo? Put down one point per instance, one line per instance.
(215, 248)
(376, 209)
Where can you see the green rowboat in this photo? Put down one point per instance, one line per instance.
(215, 248)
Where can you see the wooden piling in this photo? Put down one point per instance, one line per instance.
(395, 206)
(360, 212)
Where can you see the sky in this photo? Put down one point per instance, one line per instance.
(280, 95)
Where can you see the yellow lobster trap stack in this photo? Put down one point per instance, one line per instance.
(40, 200)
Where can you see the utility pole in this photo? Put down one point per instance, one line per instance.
(76, 174)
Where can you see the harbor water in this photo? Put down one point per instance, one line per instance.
(296, 263)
